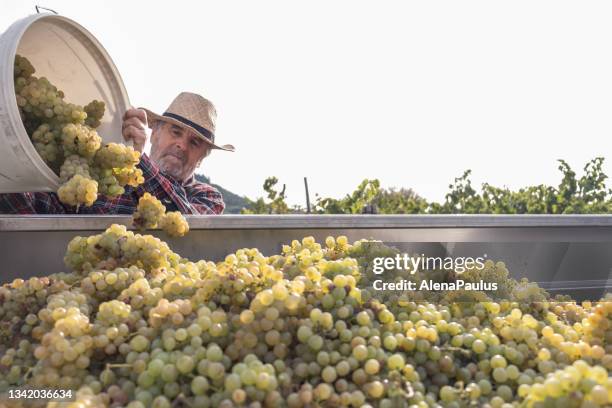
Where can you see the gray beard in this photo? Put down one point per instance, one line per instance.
(171, 168)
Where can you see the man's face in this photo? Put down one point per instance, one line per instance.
(176, 150)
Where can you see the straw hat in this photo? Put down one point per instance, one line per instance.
(191, 111)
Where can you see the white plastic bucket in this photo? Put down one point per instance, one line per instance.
(74, 61)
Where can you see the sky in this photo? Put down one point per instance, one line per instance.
(411, 93)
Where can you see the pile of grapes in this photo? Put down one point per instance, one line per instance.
(65, 137)
(135, 325)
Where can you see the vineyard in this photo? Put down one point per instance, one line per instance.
(585, 195)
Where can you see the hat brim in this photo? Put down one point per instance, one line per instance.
(153, 117)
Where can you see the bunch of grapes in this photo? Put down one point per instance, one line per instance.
(23, 67)
(78, 190)
(45, 139)
(135, 325)
(60, 130)
(95, 113)
(118, 247)
(151, 213)
(81, 140)
(597, 323)
(174, 224)
(129, 176)
(41, 102)
(115, 167)
(114, 155)
(73, 165)
(579, 384)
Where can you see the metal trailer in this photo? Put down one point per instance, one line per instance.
(565, 254)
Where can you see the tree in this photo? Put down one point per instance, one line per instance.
(587, 195)
(351, 204)
(276, 201)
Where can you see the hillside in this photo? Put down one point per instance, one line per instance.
(233, 202)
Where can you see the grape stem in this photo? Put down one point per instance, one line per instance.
(27, 373)
(182, 400)
(116, 365)
(467, 353)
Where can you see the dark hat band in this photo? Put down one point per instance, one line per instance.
(205, 132)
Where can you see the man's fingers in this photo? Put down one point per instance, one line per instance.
(140, 114)
(129, 113)
(136, 135)
(135, 113)
(133, 121)
(133, 132)
(133, 128)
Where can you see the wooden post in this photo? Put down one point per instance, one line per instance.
(307, 196)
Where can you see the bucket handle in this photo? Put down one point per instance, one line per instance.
(38, 8)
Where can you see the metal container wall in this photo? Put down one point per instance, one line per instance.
(565, 253)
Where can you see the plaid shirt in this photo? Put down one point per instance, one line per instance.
(190, 197)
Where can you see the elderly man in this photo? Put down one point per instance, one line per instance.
(181, 138)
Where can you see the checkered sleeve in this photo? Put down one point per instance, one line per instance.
(31, 203)
(16, 203)
(206, 199)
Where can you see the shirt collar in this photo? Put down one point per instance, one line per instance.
(190, 181)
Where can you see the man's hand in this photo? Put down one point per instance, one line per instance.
(133, 128)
